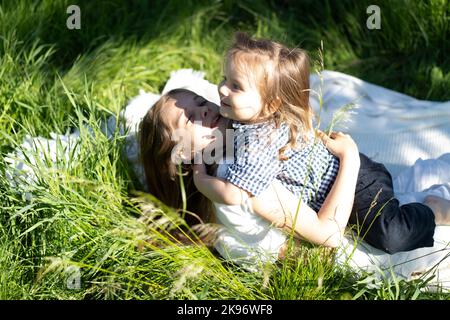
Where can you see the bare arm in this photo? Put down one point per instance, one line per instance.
(326, 227)
(217, 189)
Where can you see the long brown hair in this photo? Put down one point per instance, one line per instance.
(161, 173)
(282, 76)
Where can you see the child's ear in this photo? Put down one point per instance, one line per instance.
(274, 105)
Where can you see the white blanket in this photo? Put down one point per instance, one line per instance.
(412, 138)
(389, 127)
(425, 177)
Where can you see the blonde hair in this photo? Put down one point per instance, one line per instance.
(282, 78)
(161, 173)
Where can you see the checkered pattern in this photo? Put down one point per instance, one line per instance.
(309, 171)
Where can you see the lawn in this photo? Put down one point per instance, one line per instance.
(81, 231)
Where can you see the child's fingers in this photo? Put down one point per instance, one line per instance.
(336, 134)
(322, 136)
(333, 135)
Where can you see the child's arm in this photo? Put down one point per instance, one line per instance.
(217, 189)
(328, 225)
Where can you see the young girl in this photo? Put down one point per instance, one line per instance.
(266, 92)
(250, 231)
(183, 110)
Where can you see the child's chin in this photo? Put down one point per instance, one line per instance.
(226, 113)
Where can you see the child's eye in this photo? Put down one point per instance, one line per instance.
(236, 86)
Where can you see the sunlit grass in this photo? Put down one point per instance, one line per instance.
(82, 216)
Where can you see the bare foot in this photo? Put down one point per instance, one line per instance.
(440, 208)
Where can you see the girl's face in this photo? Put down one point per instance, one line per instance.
(239, 97)
(194, 120)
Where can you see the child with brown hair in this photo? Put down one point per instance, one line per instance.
(266, 92)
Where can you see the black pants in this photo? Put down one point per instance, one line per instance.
(380, 220)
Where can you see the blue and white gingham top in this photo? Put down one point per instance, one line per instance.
(309, 171)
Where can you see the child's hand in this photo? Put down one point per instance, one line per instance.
(340, 144)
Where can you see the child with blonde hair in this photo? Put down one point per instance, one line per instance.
(265, 92)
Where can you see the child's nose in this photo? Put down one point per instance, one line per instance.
(223, 89)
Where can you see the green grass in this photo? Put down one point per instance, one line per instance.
(83, 215)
